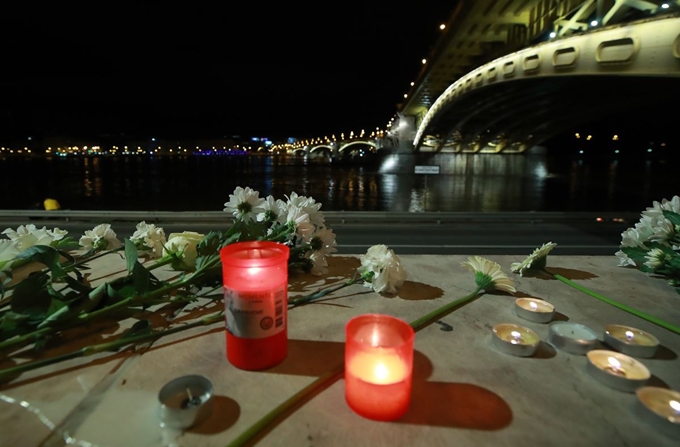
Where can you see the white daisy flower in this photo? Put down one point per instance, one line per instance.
(535, 261)
(272, 209)
(488, 274)
(656, 210)
(298, 220)
(323, 241)
(245, 204)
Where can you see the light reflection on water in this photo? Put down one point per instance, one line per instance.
(467, 182)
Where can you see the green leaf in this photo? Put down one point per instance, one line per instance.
(46, 255)
(131, 255)
(141, 278)
(67, 243)
(672, 216)
(31, 296)
(638, 256)
(70, 311)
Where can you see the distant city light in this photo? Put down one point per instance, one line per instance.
(593, 23)
(412, 84)
(665, 6)
(649, 150)
(424, 61)
(616, 151)
(442, 26)
(405, 95)
(553, 34)
(580, 152)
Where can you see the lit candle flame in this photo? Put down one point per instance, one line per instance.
(630, 335)
(533, 305)
(614, 363)
(381, 372)
(374, 338)
(675, 405)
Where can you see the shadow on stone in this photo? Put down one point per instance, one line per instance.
(224, 415)
(416, 291)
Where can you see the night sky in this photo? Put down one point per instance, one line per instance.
(193, 69)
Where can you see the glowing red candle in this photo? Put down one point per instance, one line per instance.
(378, 366)
(255, 278)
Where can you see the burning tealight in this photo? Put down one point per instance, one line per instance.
(631, 341)
(660, 407)
(535, 310)
(617, 370)
(515, 340)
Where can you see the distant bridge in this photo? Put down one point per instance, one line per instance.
(565, 63)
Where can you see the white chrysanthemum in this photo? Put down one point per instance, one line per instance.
(488, 274)
(57, 234)
(663, 231)
(384, 269)
(149, 239)
(297, 219)
(656, 210)
(183, 245)
(323, 241)
(23, 230)
(624, 260)
(101, 237)
(636, 237)
(245, 204)
(26, 236)
(8, 251)
(272, 209)
(309, 206)
(655, 258)
(319, 263)
(535, 261)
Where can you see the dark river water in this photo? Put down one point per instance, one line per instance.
(466, 182)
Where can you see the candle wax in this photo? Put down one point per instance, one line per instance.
(618, 364)
(574, 331)
(631, 335)
(535, 305)
(378, 385)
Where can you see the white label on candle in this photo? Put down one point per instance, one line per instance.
(255, 314)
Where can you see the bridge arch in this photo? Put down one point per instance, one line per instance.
(556, 83)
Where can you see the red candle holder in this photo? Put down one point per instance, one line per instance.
(378, 366)
(255, 278)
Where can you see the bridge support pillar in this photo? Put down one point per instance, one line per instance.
(404, 132)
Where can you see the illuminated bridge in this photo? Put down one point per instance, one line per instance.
(508, 74)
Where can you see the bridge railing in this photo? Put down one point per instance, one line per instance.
(10, 218)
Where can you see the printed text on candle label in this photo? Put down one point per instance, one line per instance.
(255, 314)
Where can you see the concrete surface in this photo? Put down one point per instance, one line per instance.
(465, 392)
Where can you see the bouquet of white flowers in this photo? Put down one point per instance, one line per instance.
(653, 244)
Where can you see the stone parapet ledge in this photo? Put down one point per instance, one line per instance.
(465, 391)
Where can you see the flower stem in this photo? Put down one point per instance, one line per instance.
(94, 349)
(320, 293)
(89, 316)
(261, 427)
(643, 315)
(442, 311)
